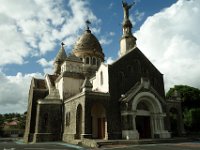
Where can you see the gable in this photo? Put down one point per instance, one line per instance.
(135, 55)
(130, 68)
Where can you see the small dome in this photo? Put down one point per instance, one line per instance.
(87, 42)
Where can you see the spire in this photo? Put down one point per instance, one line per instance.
(128, 41)
(61, 56)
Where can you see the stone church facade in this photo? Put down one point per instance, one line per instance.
(88, 99)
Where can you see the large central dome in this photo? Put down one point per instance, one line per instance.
(89, 50)
(88, 44)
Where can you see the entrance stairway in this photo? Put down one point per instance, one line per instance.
(104, 143)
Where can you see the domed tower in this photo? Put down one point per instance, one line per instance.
(60, 58)
(89, 50)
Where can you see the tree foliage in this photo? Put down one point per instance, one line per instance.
(190, 96)
(13, 117)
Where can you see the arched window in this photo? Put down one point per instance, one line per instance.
(67, 118)
(87, 61)
(93, 61)
(81, 59)
(46, 119)
(121, 76)
(121, 82)
(79, 113)
(98, 62)
(137, 66)
(129, 70)
(101, 78)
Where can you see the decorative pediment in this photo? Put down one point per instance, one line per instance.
(143, 85)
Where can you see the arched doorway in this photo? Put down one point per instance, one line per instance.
(99, 127)
(148, 116)
(174, 121)
(78, 122)
(143, 120)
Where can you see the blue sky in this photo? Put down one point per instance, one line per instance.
(109, 14)
(31, 31)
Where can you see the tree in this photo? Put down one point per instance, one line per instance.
(1, 124)
(190, 98)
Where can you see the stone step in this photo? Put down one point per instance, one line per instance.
(102, 143)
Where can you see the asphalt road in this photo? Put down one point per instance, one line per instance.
(166, 146)
(63, 146)
(39, 146)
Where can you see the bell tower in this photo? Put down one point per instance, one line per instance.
(128, 41)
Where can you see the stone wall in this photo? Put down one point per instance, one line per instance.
(48, 122)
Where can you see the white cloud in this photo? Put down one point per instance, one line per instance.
(170, 39)
(136, 17)
(111, 33)
(110, 5)
(109, 60)
(47, 65)
(44, 63)
(33, 27)
(104, 41)
(139, 15)
(14, 92)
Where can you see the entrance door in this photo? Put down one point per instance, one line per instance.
(98, 114)
(101, 128)
(143, 126)
(78, 122)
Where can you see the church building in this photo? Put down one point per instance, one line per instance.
(88, 99)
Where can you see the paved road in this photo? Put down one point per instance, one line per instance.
(63, 146)
(39, 146)
(177, 146)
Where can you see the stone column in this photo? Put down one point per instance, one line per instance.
(37, 123)
(156, 126)
(37, 119)
(130, 132)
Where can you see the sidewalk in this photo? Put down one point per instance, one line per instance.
(8, 139)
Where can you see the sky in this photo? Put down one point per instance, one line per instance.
(31, 31)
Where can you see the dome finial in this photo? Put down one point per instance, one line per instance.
(87, 24)
(62, 44)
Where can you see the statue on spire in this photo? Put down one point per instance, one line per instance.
(126, 8)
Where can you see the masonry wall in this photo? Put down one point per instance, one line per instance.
(48, 123)
(123, 75)
(70, 109)
(34, 95)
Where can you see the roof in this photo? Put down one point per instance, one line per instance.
(135, 51)
(12, 123)
(75, 75)
(87, 83)
(39, 83)
(87, 42)
(52, 79)
(72, 57)
(61, 56)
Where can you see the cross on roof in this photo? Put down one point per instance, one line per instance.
(87, 24)
(62, 44)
